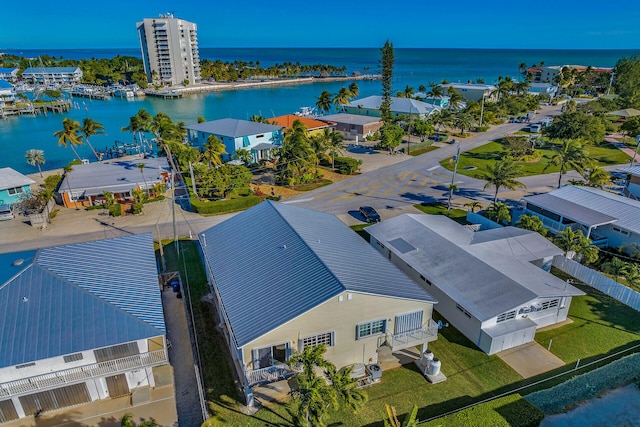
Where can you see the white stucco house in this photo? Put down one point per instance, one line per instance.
(80, 323)
(491, 285)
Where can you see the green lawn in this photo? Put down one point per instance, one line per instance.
(482, 157)
(600, 326)
(437, 208)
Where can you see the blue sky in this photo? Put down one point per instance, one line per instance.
(560, 24)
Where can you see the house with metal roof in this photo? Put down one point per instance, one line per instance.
(304, 278)
(7, 93)
(491, 285)
(13, 186)
(313, 125)
(80, 323)
(235, 134)
(85, 184)
(9, 74)
(53, 75)
(353, 125)
(472, 91)
(608, 219)
(370, 106)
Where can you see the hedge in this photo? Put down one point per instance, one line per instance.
(347, 165)
(506, 411)
(224, 206)
(587, 386)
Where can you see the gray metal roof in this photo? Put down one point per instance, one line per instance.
(633, 170)
(355, 119)
(119, 176)
(72, 298)
(591, 206)
(275, 262)
(10, 178)
(398, 105)
(233, 128)
(476, 272)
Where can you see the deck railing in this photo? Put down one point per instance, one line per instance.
(82, 373)
(413, 338)
(270, 374)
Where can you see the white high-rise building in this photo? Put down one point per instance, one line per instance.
(169, 50)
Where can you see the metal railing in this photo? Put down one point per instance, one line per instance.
(82, 373)
(270, 374)
(412, 338)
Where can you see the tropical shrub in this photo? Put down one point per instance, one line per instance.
(347, 165)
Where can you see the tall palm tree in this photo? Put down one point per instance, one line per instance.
(503, 173)
(315, 397)
(342, 97)
(68, 136)
(324, 101)
(354, 90)
(214, 148)
(35, 158)
(408, 92)
(463, 121)
(569, 154)
(140, 167)
(435, 90)
(89, 128)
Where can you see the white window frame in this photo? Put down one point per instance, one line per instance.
(15, 190)
(376, 327)
(326, 338)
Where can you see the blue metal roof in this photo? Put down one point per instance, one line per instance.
(49, 70)
(234, 128)
(5, 85)
(79, 297)
(275, 261)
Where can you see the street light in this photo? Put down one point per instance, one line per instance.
(453, 177)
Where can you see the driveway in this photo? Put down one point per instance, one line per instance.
(530, 359)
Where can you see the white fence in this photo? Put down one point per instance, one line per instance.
(598, 281)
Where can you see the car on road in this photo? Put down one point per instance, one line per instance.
(6, 212)
(369, 214)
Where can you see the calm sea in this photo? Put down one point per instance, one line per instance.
(413, 67)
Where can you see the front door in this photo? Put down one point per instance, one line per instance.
(117, 385)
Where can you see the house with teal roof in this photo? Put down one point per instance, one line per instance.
(80, 323)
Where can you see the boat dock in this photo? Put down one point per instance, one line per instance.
(165, 94)
(60, 106)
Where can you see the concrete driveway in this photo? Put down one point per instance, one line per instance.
(530, 359)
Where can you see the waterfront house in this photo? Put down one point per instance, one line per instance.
(312, 125)
(81, 323)
(53, 75)
(13, 186)
(7, 93)
(235, 134)
(354, 126)
(543, 89)
(85, 184)
(9, 74)
(472, 91)
(370, 106)
(608, 219)
(438, 101)
(491, 284)
(284, 277)
(551, 73)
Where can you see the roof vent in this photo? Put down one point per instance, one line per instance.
(25, 299)
(18, 262)
(284, 246)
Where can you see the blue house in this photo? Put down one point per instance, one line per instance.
(259, 138)
(13, 186)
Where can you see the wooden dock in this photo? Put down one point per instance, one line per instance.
(162, 93)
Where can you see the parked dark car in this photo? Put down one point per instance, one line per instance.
(369, 214)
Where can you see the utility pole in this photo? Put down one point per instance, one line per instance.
(482, 109)
(453, 177)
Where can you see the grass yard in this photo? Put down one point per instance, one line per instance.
(600, 326)
(484, 156)
(437, 208)
(421, 148)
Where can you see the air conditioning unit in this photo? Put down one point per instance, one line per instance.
(375, 371)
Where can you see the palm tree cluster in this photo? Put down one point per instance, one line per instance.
(326, 100)
(315, 396)
(617, 267)
(73, 134)
(221, 71)
(575, 242)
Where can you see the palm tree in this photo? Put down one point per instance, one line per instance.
(315, 397)
(35, 158)
(89, 128)
(499, 212)
(408, 92)
(502, 174)
(68, 136)
(632, 274)
(295, 156)
(342, 97)
(140, 167)
(575, 241)
(345, 387)
(391, 418)
(258, 119)
(463, 121)
(596, 176)
(570, 154)
(354, 90)
(213, 151)
(244, 156)
(532, 223)
(435, 90)
(473, 205)
(324, 101)
(615, 266)
(67, 171)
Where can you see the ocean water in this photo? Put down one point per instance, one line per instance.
(413, 67)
